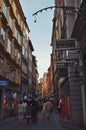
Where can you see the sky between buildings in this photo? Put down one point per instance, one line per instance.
(41, 31)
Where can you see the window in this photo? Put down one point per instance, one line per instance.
(23, 30)
(16, 14)
(15, 53)
(2, 33)
(4, 9)
(14, 76)
(9, 46)
(19, 78)
(15, 33)
(23, 33)
(23, 50)
(1, 65)
(10, 22)
(25, 53)
(19, 58)
(21, 22)
(11, 2)
(7, 71)
(19, 39)
(13, 73)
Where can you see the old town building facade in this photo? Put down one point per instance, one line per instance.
(14, 53)
(79, 33)
(66, 61)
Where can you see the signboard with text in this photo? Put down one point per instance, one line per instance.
(3, 82)
(65, 43)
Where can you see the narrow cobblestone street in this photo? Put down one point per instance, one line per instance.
(43, 64)
(53, 124)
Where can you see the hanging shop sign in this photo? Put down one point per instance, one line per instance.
(65, 44)
(4, 82)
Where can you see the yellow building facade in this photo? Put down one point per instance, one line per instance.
(14, 33)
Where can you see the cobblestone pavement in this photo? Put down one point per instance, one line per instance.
(7, 120)
(64, 125)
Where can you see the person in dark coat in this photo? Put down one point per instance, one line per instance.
(28, 112)
(63, 111)
(34, 110)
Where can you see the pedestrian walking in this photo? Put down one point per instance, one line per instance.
(43, 111)
(63, 111)
(20, 111)
(47, 108)
(59, 105)
(34, 110)
(12, 112)
(28, 110)
(25, 105)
